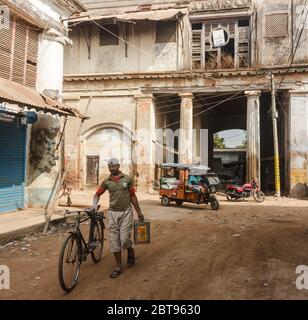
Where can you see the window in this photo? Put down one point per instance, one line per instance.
(109, 35)
(165, 31)
(18, 52)
(235, 53)
(276, 25)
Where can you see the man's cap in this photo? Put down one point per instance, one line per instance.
(113, 161)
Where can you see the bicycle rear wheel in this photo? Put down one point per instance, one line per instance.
(69, 263)
(98, 241)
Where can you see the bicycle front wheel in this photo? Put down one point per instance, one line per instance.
(70, 263)
(97, 241)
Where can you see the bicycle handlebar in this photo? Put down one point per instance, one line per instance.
(88, 211)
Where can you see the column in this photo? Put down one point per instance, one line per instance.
(186, 129)
(197, 125)
(211, 145)
(144, 155)
(45, 173)
(253, 136)
(298, 145)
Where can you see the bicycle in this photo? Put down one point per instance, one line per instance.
(75, 249)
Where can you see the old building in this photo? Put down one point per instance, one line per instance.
(185, 65)
(32, 40)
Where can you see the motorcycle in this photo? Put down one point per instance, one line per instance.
(235, 192)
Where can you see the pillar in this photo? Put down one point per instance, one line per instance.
(298, 145)
(144, 155)
(253, 136)
(45, 167)
(186, 129)
(211, 146)
(197, 126)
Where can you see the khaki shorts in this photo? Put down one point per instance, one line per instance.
(120, 225)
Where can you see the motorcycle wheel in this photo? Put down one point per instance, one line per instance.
(231, 197)
(259, 196)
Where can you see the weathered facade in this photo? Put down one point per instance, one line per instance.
(138, 67)
(32, 40)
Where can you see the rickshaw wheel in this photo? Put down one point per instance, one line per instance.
(165, 201)
(178, 202)
(214, 204)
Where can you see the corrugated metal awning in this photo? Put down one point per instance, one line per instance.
(151, 15)
(14, 92)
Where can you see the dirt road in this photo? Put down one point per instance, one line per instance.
(244, 251)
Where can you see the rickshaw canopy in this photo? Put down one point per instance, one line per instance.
(194, 169)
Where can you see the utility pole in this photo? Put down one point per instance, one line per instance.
(275, 136)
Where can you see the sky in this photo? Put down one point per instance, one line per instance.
(232, 138)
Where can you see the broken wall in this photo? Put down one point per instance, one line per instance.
(44, 163)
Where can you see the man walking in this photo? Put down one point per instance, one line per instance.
(120, 214)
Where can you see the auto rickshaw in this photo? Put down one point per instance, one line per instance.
(175, 185)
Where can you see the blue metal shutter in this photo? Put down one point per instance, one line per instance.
(12, 165)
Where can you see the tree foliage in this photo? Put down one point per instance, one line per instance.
(243, 145)
(219, 142)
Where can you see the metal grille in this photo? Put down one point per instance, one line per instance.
(276, 25)
(12, 165)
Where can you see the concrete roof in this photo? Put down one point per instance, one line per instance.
(150, 15)
(108, 4)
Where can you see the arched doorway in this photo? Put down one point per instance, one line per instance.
(101, 143)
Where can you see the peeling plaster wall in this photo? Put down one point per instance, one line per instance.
(299, 143)
(277, 51)
(301, 55)
(272, 51)
(116, 113)
(143, 55)
(146, 56)
(43, 160)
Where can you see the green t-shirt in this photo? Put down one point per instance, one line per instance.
(119, 191)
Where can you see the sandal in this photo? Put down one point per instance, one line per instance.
(130, 257)
(115, 273)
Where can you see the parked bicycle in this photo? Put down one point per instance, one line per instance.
(75, 249)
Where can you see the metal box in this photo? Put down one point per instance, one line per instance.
(142, 232)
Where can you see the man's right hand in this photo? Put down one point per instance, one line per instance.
(140, 217)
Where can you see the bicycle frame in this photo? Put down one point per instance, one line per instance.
(78, 232)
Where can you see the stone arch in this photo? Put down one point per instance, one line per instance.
(106, 125)
(106, 140)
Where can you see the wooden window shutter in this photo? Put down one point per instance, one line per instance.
(5, 51)
(18, 52)
(31, 63)
(196, 49)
